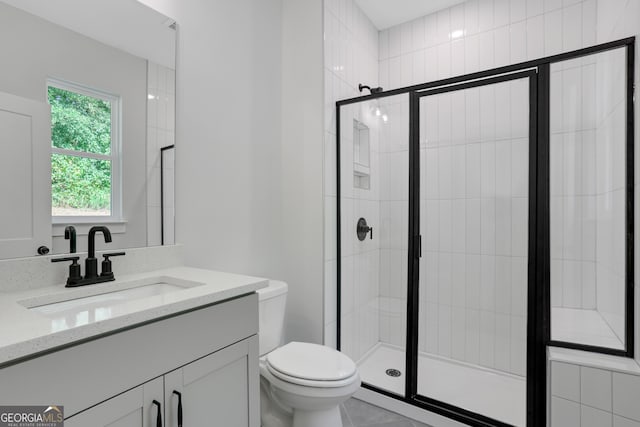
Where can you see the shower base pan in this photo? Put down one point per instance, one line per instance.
(492, 393)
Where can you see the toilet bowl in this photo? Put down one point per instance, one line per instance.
(301, 384)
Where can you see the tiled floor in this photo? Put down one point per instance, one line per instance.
(356, 413)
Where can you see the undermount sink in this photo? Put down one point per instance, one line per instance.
(85, 306)
(108, 299)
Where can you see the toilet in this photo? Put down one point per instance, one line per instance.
(301, 384)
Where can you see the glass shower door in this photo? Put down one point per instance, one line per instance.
(473, 146)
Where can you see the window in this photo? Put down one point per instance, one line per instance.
(85, 163)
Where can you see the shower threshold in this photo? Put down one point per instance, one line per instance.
(492, 393)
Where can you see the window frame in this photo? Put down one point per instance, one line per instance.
(114, 157)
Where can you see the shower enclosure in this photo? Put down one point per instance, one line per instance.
(499, 211)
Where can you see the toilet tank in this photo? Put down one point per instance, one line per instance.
(272, 302)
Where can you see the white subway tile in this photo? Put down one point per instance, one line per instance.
(474, 271)
(471, 17)
(518, 10)
(406, 38)
(458, 333)
(518, 345)
(418, 37)
(553, 33)
(488, 283)
(619, 421)
(471, 55)
(572, 27)
(444, 60)
(501, 13)
(503, 285)
(486, 51)
(571, 284)
(472, 337)
(535, 37)
(473, 233)
(444, 26)
(519, 283)
(431, 30)
(503, 227)
(565, 381)
(550, 5)
(485, 15)
(458, 237)
(592, 417)
(395, 40)
(595, 386)
(520, 168)
(457, 57)
(503, 172)
(472, 115)
(406, 69)
(519, 222)
(626, 389)
(534, 8)
(444, 330)
(518, 39)
(487, 339)
(487, 113)
(503, 342)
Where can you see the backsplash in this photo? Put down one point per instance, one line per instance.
(29, 273)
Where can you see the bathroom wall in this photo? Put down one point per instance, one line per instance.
(161, 83)
(242, 191)
(351, 57)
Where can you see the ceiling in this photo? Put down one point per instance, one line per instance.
(387, 13)
(139, 29)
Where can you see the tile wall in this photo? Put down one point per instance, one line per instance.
(351, 57)
(583, 396)
(474, 209)
(160, 133)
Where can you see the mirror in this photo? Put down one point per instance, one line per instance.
(98, 79)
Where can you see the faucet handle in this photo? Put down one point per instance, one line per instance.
(106, 263)
(68, 258)
(74, 269)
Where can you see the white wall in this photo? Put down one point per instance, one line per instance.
(84, 61)
(302, 185)
(249, 175)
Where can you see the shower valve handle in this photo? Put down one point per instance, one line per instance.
(362, 229)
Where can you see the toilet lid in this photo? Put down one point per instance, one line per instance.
(311, 362)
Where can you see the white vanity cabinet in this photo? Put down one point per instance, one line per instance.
(133, 408)
(209, 355)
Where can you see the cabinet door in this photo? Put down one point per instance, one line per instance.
(219, 390)
(134, 408)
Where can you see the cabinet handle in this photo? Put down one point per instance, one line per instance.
(177, 393)
(159, 416)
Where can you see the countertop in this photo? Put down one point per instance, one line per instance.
(26, 333)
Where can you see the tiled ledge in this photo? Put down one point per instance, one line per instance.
(623, 365)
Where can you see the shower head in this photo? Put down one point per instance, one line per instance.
(372, 90)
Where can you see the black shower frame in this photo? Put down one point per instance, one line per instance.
(539, 303)
(162, 151)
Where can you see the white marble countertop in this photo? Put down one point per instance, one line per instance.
(25, 332)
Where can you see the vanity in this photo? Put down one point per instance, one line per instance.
(150, 348)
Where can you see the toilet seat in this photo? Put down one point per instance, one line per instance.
(311, 365)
